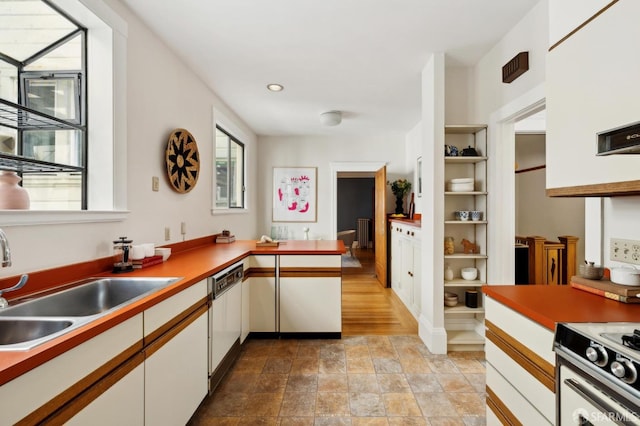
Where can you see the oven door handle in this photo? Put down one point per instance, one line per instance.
(598, 402)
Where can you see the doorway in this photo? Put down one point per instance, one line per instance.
(379, 223)
(566, 215)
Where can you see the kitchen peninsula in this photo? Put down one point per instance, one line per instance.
(104, 367)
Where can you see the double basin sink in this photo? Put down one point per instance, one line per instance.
(27, 324)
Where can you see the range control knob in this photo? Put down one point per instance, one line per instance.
(624, 370)
(597, 355)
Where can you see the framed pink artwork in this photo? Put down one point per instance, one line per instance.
(295, 194)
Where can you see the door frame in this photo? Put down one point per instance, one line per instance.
(346, 166)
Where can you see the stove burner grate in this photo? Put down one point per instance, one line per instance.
(632, 341)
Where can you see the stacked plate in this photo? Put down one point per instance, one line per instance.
(461, 185)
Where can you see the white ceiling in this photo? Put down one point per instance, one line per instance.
(363, 57)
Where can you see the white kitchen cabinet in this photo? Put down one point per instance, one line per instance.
(41, 384)
(246, 303)
(520, 366)
(176, 362)
(464, 324)
(176, 374)
(406, 265)
(121, 404)
(591, 87)
(262, 298)
(310, 294)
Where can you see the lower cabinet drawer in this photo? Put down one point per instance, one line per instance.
(507, 404)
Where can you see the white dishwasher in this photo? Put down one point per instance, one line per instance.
(225, 321)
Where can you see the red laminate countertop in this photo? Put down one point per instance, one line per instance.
(548, 305)
(191, 265)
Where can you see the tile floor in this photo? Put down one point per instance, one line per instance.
(359, 380)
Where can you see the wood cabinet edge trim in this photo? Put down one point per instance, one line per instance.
(501, 411)
(535, 365)
(581, 26)
(613, 189)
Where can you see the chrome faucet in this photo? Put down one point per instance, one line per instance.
(6, 261)
(19, 285)
(6, 251)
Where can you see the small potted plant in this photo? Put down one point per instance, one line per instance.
(400, 188)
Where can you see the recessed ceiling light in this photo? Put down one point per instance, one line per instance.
(275, 87)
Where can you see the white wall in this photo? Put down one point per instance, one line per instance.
(317, 151)
(162, 94)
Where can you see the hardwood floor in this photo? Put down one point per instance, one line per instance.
(367, 307)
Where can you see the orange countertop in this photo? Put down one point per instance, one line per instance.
(193, 265)
(548, 305)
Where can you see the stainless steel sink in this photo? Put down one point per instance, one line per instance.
(31, 322)
(93, 296)
(13, 331)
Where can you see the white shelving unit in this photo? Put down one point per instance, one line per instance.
(465, 325)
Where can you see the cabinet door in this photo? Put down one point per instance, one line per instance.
(406, 279)
(262, 296)
(246, 310)
(417, 278)
(121, 404)
(176, 375)
(311, 305)
(396, 264)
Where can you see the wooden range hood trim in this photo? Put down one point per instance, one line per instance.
(613, 189)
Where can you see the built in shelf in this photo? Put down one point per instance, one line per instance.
(465, 256)
(465, 222)
(465, 193)
(463, 129)
(459, 282)
(464, 337)
(467, 159)
(460, 308)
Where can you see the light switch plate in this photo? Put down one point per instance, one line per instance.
(627, 251)
(167, 233)
(155, 183)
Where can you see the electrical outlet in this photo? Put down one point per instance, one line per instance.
(155, 183)
(183, 228)
(167, 233)
(627, 251)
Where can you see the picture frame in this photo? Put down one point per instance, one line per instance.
(419, 177)
(295, 194)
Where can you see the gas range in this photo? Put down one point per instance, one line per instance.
(605, 358)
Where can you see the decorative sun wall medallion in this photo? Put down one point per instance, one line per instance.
(183, 160)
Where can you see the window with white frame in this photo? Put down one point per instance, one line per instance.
(229, 161)
(87, 178)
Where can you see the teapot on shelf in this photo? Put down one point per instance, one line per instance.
(469, 152)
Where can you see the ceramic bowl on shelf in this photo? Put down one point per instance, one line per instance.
(475, 215)
(469, 274)
(450, 299)
(461, 185)
(462, 215)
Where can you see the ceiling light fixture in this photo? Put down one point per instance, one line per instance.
(331, 118)
(275, 87)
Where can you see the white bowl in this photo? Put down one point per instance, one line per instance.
(461, 180)
(469, 273)
(461, 187)
(164, 251)
(625, 276)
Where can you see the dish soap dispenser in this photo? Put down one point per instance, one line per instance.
(448, 273)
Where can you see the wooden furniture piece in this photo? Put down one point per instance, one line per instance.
(550, 262)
